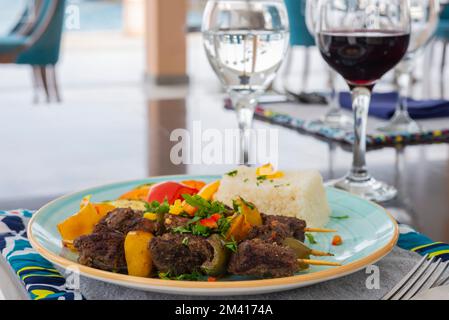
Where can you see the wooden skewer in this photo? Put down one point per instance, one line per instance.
(320, 253)
(319, 262)
(319, 230)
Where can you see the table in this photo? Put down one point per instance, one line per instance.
(142, 135)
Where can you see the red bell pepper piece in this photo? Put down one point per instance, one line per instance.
(209, 222)
(170, 191)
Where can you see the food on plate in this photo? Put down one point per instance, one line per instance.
(188, 233)
(299, 194)
(139, 261)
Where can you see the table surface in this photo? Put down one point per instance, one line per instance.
(140, 146)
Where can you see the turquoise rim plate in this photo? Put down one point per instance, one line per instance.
(369, 233)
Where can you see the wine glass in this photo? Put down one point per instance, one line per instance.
(334, 117)
(246, 42)
(362, 40)
(424, 20)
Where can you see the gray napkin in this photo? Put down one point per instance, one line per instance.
(352, 287)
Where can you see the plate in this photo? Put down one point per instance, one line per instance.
(368, 233)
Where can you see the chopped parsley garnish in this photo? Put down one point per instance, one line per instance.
(340, 217)
(231, 245)
(261, 178)
(232, 173)
(194, 276)
(311, 238)
(205, 208)
(246, 180)
(185, 241)
(156, 207)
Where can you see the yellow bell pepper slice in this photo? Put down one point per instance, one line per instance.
(176, 208)
(268, 171)
(150, 216)
(239, 228)
(207, 192)
(249, 210)
(137, 253)
(82, 223)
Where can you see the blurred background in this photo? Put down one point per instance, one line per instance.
(124, 73)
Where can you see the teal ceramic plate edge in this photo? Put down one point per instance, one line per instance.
(369, 233)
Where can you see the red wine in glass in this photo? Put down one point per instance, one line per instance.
(363, 57)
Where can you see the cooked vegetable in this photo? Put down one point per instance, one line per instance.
(137, 253)
(83, 222)
(170, 191)
(249, 210)
(217, 266)
(302, 251)
(139, 193)
(196, 184)
(132, 204)
(239, 228)
(207, 192)
(337, 240)
(267, 172)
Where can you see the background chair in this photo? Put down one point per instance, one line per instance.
(36, 40)
(299, 37)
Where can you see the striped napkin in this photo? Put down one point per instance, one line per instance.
(43, 282)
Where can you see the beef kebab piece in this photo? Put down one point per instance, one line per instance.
(277, 228)
(260, 258)
(104, 248)
(180, 254)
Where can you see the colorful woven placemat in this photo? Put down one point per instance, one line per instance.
(319, 130)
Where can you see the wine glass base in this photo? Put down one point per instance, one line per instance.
(337, 120)
(370, 188)
(401, 123)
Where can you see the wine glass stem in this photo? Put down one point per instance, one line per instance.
(361, 97)
(404, 80)
(245, 106)
(333, 91)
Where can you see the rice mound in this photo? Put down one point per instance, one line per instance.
(298, 194)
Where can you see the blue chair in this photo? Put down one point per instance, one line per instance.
(442, 34)
(36, 40)
(299, 35)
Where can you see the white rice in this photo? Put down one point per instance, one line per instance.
(298, 194)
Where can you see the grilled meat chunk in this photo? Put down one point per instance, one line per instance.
(180, 254)
(103, 251)
(124, 220)
(263, 259)
(272, 232)
(173, 221)
(296, 226)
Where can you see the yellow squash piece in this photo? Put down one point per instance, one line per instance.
(207, 192)
(137, 253)
(81, 223)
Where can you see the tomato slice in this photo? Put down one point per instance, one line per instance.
(170, 191)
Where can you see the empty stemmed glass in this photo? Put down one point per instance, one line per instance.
(246, 42)
(334, 117)
(424, 19)
(362, 40)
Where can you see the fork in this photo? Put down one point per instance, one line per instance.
(424, 275)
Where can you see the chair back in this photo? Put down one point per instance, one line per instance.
(45, 34)
(299, 35)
